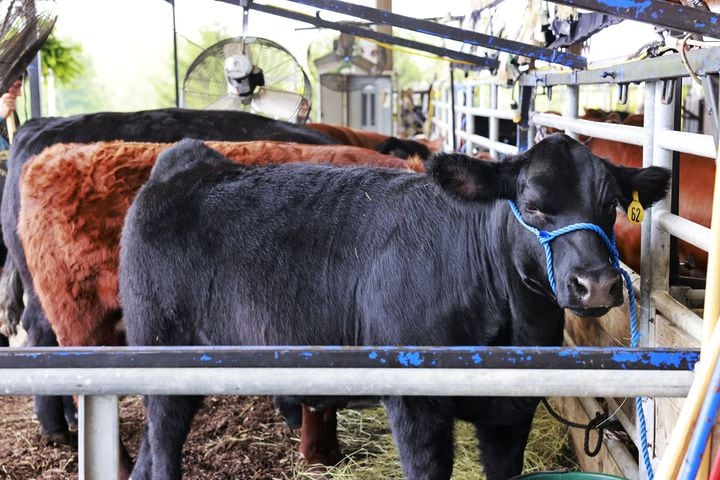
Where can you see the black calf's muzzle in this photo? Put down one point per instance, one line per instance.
(589, 292)
(594, 289)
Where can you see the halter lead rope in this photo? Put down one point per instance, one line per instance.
(545, 238)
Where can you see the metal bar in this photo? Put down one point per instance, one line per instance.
(493, 120)
(345, 381)
(655, 12)
(678, 314)
(367, 33)
(382, 357)
(176, 64)
(653, 262)
(571, 106)
(98, 437)
(449, 33)
(704, 61)
(486, 112)
(498, 147)
(683, 228)
(611, 131)
(34, 76)
(627, 463)
(626, 422)
(469, 120)
(453, 114)
(693, 143)
(710, 89)
(523, 127)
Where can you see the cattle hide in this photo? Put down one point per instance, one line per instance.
(306, 254)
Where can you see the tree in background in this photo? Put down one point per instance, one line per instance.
(59, 62)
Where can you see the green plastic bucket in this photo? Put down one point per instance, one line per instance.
(565, 475)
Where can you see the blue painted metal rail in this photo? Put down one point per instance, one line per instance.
(352, 357)
(449, 33)
(655, 12)
(484, 62)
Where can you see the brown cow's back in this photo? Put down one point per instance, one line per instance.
(73, 202)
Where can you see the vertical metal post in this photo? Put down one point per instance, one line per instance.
(452, 108)
(98, 441)
(175, 57)
(532, 128)
(647, 308)
(34, 76)
(494, 124)
(526, 100)
(469, 119)
(655, 249)
(674, 197)
(571, 106)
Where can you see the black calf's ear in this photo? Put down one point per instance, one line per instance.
(184, 155)
(651, 183)
(471, 179)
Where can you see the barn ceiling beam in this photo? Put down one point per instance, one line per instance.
(702, 62)
(485, 62)
(655, 12)
(449, 33)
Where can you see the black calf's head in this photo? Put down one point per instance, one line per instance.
(555, 184)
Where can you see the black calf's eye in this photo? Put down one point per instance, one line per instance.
(531, 208)
(610, 207)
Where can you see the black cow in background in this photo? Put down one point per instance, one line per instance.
(165, 125)
(309, 255)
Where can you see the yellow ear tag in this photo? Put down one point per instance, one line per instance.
(635, 211)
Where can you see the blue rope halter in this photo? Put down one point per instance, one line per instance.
(545, 238)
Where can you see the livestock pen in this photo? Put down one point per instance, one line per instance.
(654, 373)
(668, 311)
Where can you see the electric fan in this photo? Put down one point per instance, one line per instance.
(254, 75)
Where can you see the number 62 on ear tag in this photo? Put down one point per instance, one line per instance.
(635, 211)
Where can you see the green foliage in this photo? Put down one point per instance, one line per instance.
(85, 94)
(62, 58)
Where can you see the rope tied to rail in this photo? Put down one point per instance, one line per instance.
(601, 422)
(545, 238)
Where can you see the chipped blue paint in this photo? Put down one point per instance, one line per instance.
(307, 354)
(477, 359)
(410, 358)
(568, 353)
(205, 358)
(699, 25)
(714, 20)
(372, 355)
(654, 15)
(639, 7)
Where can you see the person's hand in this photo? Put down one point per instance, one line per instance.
(7, 105)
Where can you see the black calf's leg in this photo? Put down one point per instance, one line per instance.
(4, 341)
(502, 449)
(423, 431)
(143, 464)
(49, 410)
(169, 420)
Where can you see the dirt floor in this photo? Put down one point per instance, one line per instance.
(242, 438)
(243, 435)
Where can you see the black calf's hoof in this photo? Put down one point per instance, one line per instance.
(61, 438)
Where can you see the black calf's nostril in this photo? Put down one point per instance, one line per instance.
(579, 288)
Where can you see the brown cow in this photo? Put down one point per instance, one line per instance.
(399, 147)
(73, 202)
